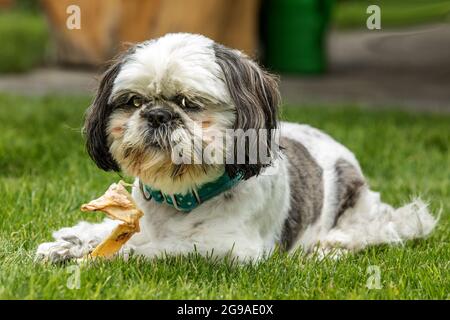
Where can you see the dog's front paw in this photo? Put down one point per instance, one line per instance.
(64, 249)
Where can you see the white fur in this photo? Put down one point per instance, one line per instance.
(172, 63)
(249, 226)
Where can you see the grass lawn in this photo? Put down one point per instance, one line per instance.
(45, 175)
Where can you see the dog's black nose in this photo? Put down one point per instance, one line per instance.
(157, 117)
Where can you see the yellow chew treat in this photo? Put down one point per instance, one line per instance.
(118, 204)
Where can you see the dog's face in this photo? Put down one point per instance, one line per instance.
(175, 92)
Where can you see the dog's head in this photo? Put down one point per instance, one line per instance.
(179, 92)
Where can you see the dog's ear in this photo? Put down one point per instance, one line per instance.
(255, 94)
(96, 120)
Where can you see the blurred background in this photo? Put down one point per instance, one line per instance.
(323, 49)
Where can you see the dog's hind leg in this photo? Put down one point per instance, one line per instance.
(372, 222)
(75, 242)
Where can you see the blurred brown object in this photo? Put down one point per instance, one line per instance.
(106, 24)
(6, 4)
(97, 37)
(231, 22)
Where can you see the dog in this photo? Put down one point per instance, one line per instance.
(164, 95)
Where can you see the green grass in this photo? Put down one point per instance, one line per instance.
(394, 13)
(45, 175)
(24, 40)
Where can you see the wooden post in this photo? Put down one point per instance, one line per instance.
(94, 41)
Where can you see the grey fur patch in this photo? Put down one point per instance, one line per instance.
(306, 184)
(97, 116)
(96, 120)
(349, 185)
(255, 95)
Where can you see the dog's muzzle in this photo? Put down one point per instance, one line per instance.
(161, 122)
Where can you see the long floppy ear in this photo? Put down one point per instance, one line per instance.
(255, 95)
(96, 119)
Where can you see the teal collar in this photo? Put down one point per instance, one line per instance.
(191, 200)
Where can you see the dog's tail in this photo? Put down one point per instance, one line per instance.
(373, 222)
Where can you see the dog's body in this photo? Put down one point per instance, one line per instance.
(311, 195)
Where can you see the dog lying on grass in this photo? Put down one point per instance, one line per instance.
(215, 171)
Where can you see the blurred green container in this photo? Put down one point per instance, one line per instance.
(295, 33)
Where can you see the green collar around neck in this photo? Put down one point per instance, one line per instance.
(192, 199)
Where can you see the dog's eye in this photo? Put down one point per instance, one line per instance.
(137, 101)
(185, 103)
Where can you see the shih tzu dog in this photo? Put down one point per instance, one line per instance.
(162, 113)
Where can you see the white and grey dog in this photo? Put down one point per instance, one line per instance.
(310, 195)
